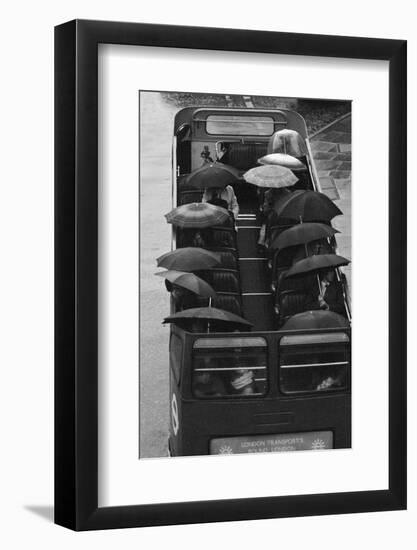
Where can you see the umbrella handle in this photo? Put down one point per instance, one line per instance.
(318, 282)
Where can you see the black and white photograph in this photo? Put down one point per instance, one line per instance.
(245, 274)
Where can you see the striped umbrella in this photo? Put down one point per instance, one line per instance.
(282, 159)
(197, 214)
(271, 175)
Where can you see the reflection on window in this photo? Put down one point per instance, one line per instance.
(313, 367)
(222, 370)
(239, 125)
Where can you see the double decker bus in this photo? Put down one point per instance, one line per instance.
(289, 406)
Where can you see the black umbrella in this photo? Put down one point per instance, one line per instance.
(208, 314)
(315, 263)
(302, 233)
(189, 281)
(216, 174)
(307, 206)
(189, 258)
(315, 319)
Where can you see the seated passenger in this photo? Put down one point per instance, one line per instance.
(194, 237)
(330, 296)
(208, 384)
(183, 298)
(227, 194)
(270, 200)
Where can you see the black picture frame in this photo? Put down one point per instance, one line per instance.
(76, 271)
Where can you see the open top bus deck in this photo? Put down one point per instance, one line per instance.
(288, 367)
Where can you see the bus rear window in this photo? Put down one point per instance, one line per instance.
(238, 125)
(229, 368)
(313, 365)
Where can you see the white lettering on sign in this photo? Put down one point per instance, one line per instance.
(174, 414)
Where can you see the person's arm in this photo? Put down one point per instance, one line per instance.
(206, 195)
(234, 205)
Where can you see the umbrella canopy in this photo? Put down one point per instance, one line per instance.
(288, 142)
(208, 314)
(189, 258)
(197, 214)
(282, 159)
(270, 175)
(308, 206)
(315, 263)
(302, 233)
(315, 319)
(189, 281)
(216, 174)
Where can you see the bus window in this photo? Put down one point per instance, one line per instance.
(313, 362)
(240, 125)
(229, 367)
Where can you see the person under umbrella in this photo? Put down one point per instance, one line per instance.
(329, 296)
(307, 206)
(189, 259)
(288, 142)
(185, 288)
(216, 179)
(302, 240)
(276, 179)
(195, 220)
(226, 194)
(206, 318)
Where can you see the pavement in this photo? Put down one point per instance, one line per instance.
(332, 152)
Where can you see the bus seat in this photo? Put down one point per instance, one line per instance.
(223, 237)
(228, 258)
(186, 197)
(228, 302)
(224, 281)
(290, 302)
(244, 155)
(224, 300)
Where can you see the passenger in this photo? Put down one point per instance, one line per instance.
(206, 156)
(196, 237)
(331, 296)
(216, 201)
(183, 298)
(270, 199)
(208, 384)
(227, 194)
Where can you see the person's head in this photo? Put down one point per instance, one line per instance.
(199, 239)
(215, 192)
(328, 275)
(197, 325)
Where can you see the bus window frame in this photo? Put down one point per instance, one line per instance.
(230, 398)
(316, 393)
